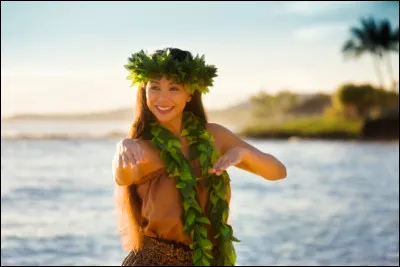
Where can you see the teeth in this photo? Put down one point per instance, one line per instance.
(164, 108)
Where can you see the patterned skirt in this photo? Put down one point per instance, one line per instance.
(157, 252)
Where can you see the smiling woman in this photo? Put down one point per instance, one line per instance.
(172, 188)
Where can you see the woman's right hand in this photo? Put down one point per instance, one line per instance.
(127, 157)
(128, 153)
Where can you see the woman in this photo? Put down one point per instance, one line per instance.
(172, 187)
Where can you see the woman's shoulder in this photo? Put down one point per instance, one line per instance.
(220, 134)
(218, 131)
(224, 138)
(215, 127)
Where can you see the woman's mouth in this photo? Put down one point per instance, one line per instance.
(164, 109)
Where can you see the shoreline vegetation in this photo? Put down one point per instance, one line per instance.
(306, 128)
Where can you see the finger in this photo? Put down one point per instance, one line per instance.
(140, 153)
(212, 169)
(119, 162)
(125, 161)
(131, 159)
(225, 165)
(135, 152)
(123, 164)
(143, 155)
(229, 163)
(222, 166)
(217, 164)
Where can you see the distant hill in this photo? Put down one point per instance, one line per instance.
(114, 115)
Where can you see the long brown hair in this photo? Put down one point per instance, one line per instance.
(128, 203)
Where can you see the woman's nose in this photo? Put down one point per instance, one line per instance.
(163, 94)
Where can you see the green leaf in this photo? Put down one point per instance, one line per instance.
(176, 172)
(196, 206)
(221, 191)
(232, 257)
(214, 158)
(203, 159)
(197, 254)
(190, 217)
(186, 206)
(205, 262)
(191, 142)
(175, 143)
(185, 176)
(235, 239)
(214, 199)
(192, 194)
(225, 215)
(185, 132)
(170, 168)
(192, 234)
(205, 243)
(203, 220)
(174, 155)
(224, 231)
(169, 145)
(180, 185)
(203, 231)
(202, 147)
(208, 254)
(156, 131)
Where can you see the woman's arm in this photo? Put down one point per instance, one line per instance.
(236, 152)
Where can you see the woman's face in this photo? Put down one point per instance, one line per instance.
(166, 99)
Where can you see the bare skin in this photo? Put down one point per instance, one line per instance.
(166, 100)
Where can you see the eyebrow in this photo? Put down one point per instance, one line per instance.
(170, 83)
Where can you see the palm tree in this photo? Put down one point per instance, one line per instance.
(389, 43)
(375, 38)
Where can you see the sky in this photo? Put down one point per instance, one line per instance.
(68, 57)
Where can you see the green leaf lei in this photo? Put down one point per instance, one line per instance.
(194, 73)
(179, 168)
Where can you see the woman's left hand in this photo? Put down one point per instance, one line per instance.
(232, 157)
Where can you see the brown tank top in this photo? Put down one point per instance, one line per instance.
(161, 204)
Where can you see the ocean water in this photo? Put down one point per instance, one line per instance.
(339, 204)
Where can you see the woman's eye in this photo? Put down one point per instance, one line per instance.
(174, 89)
(154, 88)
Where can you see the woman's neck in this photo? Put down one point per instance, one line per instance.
(174, 126)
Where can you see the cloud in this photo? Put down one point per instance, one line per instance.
(320, 32)
(316, 7)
